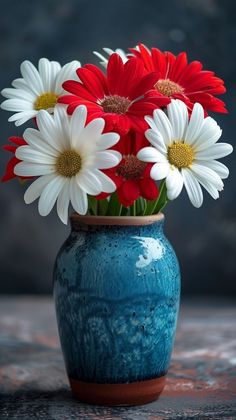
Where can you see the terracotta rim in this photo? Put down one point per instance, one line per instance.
(133, 393)
(117, 220)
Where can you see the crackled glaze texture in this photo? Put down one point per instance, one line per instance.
(116, 290)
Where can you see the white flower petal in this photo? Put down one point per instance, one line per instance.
(89, 182)
(174, 183)
(193, 188)
(91, 134)
(159, 171)
(107, 159)
(150, 154)
(49, 195)
(195, 124)
(36, 188)
(33, 169)
(45, 74)
(208, 135)
(209, 188)
(28, 154)
(79, 199)
(178, 115)
(67, 72)
(109, 51)
(156, 139)
(62, 125)
(12, 93)
(32, 77)
(216, 151)
(101, 57)
(204, 173)
(21, 117)
(163, 125)
(77, 124)
(21, 121)
(48, 129)
(35, 139)
(63, 202)
(107, 140)
(21, 84)
(216, 166)
(16, 105)
(55, 69)
(108, 185)
(151, 123)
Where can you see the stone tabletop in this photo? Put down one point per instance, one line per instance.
(201, 382)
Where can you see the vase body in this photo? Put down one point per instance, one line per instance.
(116, 291)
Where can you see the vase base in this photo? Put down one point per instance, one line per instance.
(133, 393)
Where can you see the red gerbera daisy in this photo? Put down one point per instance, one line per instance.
(119, 97)
(182, 80)
(9, 173)
(131, 176)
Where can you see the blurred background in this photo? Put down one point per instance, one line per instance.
(204, 239)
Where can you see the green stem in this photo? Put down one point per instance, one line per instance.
(162, 198)
(92, 205)
(114, 207)
(133, 209)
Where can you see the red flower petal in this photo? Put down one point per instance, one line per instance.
(128, 192)
(77, 88)
(115, 71)
(148, 189)
(91, 82)
(99, 74)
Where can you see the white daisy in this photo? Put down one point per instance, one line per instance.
(104, 59)
(68, 156)
(37, 89)
(184, 151)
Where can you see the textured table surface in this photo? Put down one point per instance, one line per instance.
(201, 382)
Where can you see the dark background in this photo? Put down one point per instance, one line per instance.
(205, 238)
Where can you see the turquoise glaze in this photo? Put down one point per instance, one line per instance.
(116, 290)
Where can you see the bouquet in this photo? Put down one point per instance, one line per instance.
(121, 140)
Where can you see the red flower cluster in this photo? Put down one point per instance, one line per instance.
(16, 142)
(123, 96)
(179, 79)
(120, 97)
(131, 176)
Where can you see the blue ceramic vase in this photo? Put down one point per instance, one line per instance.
(116, 290)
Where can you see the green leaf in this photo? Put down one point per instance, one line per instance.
(102, 207)
(124, 211)
(162, 198)
(92, 205)
(150, 206)
(114, 207)
(133, 209)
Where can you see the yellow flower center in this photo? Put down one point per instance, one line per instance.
(115, 104)
(130, 167)
(45, 101)
(168, 88)
(68, 163)
(180, 155)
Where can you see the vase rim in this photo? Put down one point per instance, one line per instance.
(117, 220)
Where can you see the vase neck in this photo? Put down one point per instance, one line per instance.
(119, 223)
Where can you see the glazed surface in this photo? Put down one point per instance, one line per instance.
(116, 290)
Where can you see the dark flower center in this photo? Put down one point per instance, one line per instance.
(168, 88)
(68, 163)
(45, 101)
(181, 155)
(130, 167)
(115, 104)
